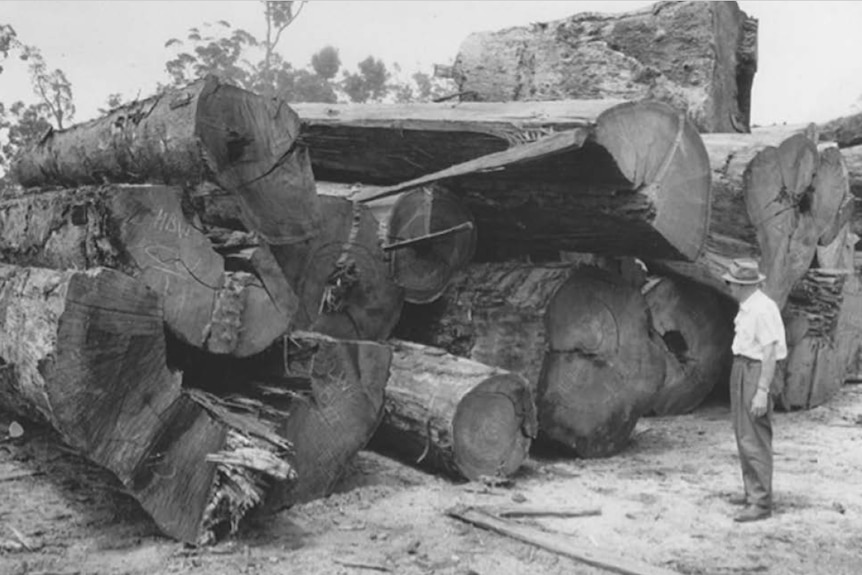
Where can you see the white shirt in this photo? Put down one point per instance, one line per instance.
(758, 324)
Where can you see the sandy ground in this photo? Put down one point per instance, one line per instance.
(662, 502)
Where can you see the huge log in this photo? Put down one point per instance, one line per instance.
(205, 131)
(455, 415)
(698, 56)
(142, 230)
(323, 396)
(580, 336)
(341, 277)
(383, 144)
(634, 183)
(696, 327)
(770, 204)
(84, 351)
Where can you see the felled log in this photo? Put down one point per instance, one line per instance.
(767, 204)
(142, 231)
(428, 235)
(813, 371)
(698, 56)
(580, 337)
(341, 277)
(323, 396)
(636, 182)
(382, 144)
(85, 352)
(696, 328)
(205, 131)
(454, 415)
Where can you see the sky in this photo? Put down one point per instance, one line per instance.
(809, 53)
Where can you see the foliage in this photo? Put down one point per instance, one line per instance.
(240, 58)
(22, 124)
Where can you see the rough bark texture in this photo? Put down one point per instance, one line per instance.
(205, 131)
(390, 143)
(494, 314)
(634, 183)
(341, 277)
(696, 326)
(323, 396)
(142, 231)
(698, 56)
(455, 415)
(87, 356)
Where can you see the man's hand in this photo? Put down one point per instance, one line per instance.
(759, 403)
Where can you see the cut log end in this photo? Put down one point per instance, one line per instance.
(488, 429)
(424, 267)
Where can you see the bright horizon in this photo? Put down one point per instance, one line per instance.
(808, 68)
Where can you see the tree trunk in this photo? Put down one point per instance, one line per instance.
(698, 56)
(205, 131)
(603, 367)
(328, 396)
(85, 352)
(384, 144)
(580, 337)
(455, 415)
(340, 275)
(636, 182)
(777, 212)
(141, 230)
(696, 326)
(822, 336)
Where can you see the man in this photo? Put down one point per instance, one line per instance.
(757, 344)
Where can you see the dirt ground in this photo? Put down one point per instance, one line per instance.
(662, 502)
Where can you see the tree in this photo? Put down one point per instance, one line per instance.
(370, 83)
(222, 50)
(20, 123)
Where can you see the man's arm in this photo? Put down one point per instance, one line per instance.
(760, 402)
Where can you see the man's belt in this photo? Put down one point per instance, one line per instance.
(745, 358)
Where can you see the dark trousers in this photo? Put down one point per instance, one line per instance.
(753, 435)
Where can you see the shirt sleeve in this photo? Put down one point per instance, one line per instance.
(770, 328)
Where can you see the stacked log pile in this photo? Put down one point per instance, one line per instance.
(183, 231)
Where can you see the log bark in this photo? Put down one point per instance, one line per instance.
(382, 144)
(205, 131)
(85, 352)
(580, 337)
(454, 415)
(635, 183)
(142, 231)
(696, 327)
(698, 56)
(323, 396)
(813, 372)
(341, 277)
(777, 213)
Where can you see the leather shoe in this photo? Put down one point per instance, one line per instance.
(738, 499)
(753, 513)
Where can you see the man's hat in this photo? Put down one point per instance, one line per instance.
(744, 271)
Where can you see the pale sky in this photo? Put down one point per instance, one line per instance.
(809, 69)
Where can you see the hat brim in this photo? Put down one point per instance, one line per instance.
(729, 278)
